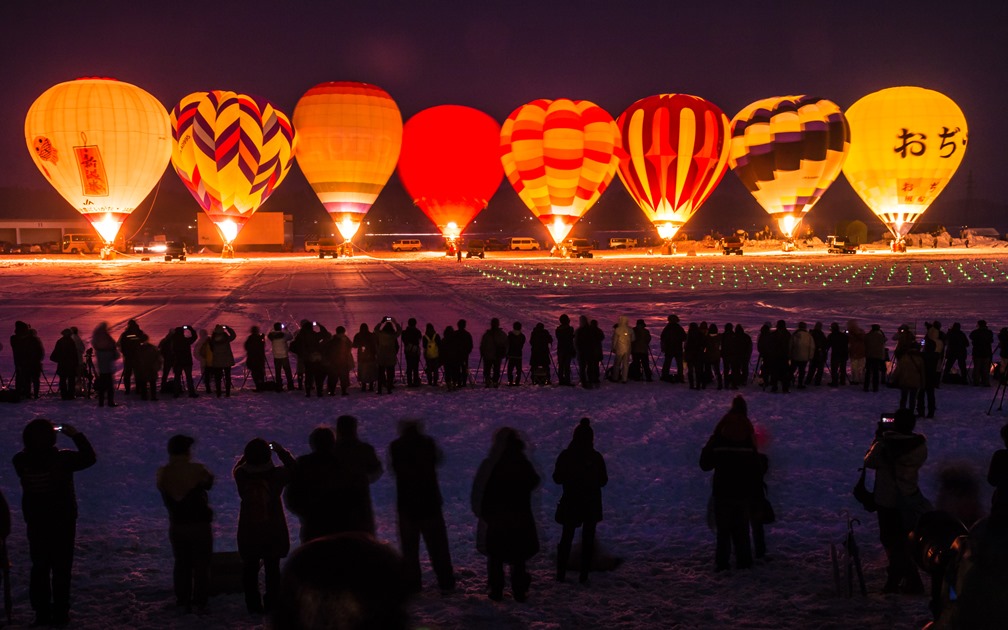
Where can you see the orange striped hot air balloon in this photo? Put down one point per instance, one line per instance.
(102, 144)
(676, 152)
(559, 156)
(349, 136)
(231, 151)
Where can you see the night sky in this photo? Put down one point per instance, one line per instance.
(496, 56)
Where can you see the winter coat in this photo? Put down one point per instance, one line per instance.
(415, 458)
(622, 337)
(641, 340)
(27, 350)
(47, 484)
(539, 346)
(64, 355)
(387, 338)
(315, 495)
(956, 343)
(5, 522)
(672, 338)
(694, 349)
(983, 339)
(581, 470)
(184, 484)
(731, 454)
(129, 341)
(181, 347)
(465, 342)
(565, 339)
(743, 346)
(411, 338)
(105, 351)
(873, 343)
(857, 343)
(779, 346)
(802, 347)
(366, 344)
(837, 343)
(220, 347)
(359, 467)
(584, 341)
(909, 372)
(147, 362)
(262, 523)
(820, 344)
(515, 343)
(255, 351)
(896, 458)
(337, 353)
(279, 343)
(729, 347)
(493, 344)
(712, 347)
(595, 339)
(505, 505)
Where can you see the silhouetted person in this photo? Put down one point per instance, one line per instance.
(539, 354)
(262, 524)
(49, 507)
(874, 344)
(314, 494)
(412, 343)
(221, 357)
(184, 484)
(640, 351)
(28, 353)
(837, 344)
(255, 357)
(909, 372)
(515, 348)
(105, 355)
(778, 358)
(731, 454)
(956, 343)
(565, 349)
(493, 349)
(337, 352)
(128, 342)
(581, 470)
(359, 467)
(595, 338)
(502, 499)
(146, 364)
(465, 347)
(387, 335)
(366, 345)
(64, 355)
(583, 341)
(182, 341)
(982, 339)
(432, 353)
(342, 582)
(415, 458)
(672, 339)
(280, 339)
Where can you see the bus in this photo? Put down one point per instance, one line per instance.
(81, 244)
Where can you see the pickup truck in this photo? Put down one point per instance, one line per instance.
(732, 245)
(840, 245)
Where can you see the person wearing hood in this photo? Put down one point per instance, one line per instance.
(182, 359)
(731, 454)
(147, 363)
(515, 348)
(621, 343)
(802, 350)
(221, 357)
(581, 470)
(263, 536)
(184, 485)
(128, 343)
(64, 355)
(106, 355)
(280, 339)
(49, 507)
(493, 349)
(28, 354)
(539, 354)
(896, 455)
(640, 351)
(387, 335)
(565, 349)
(255, 357)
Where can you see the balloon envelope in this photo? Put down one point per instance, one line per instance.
(675, 153)
(102, 144)
(450, 164)
(231, 151)
(787, 150)
(906, 143)
(559, 156)
(349, 136)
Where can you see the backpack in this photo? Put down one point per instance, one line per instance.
(431, 351)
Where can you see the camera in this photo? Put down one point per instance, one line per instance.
(314, 323)
(887, 418)
(272, 448)
(58, 427)
(186, 327)
(282, 326)
(388, 318)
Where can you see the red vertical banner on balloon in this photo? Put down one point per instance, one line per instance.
(94, 182)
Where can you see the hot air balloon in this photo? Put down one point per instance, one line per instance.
(231, 151)
(559, 156)
(675, 153)
(906, 143)
(787, 151)
(349, 139)
(102, 144)
(450, 165)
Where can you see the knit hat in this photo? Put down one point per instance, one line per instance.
(583, 433)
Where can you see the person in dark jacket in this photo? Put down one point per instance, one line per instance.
(28, 354)
(167, 367)
(956, 343)
(837, 344)
(146, 364)
(731, 454)
(64, 355)
(874, 343)
(255, 357)
(280, 339)
(465, 348)
(337, 353)
(412, 340)
(595, 339)
(693, 354)
(743, 355)
(308, 347)
(262, 524)
(359, 467)
(128, 343)
(672, 339)
(931, 353)
(415, 457)
(502, 500)
(712, 357)
(105, 355)
(640, 351)
(49, 507)
(515, 349)
(314, 494)
(566, 352)
(493, 350)
(583, 343)
(581, 470)
(539, 354)
(818, 363)
(387, 335)
(763, 352)
(432, 354)
(221, 357)
(778, 358)
(184, 485)
(366, 345)
(182, 358)
(982, 339)
(728, 350)
(909, 373)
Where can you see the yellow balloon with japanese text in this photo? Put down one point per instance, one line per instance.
(906, 143)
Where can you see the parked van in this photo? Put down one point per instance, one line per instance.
(407, 245)
(622, 243)
(523, 243)
(81, 244)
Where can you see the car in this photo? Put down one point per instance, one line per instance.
(311, 244)
(476, 249)
(523, 243)
(577, 248)
(407, 245)
(840, 245)
(494, 245)
(622, 243)
(732, 245)
(174, 250)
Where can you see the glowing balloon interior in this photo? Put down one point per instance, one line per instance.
(349, 136)
(787, 151)
(102, 144)
(560, 157)
(675, 154)
(906, 143)
(231, 151)
(450, 164)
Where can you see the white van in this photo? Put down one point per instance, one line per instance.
(406, 245)
(622, 243)
(523, 243)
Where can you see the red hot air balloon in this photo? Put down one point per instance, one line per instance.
(450, 164)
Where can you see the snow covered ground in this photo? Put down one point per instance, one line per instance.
(650, 433)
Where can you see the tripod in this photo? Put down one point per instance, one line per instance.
(999, 392)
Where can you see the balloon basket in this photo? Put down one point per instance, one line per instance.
(107, 253)
(228, 251)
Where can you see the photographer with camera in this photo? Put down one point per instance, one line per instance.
(896, 455)
(221, 357)
(387, 333)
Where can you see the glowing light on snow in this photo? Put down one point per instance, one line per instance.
(107, 227)
(347, 227)
(228, 229)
